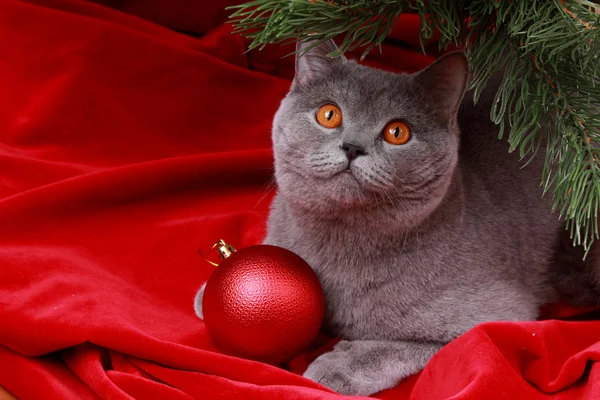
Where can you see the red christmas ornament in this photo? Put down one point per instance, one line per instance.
(263, 303)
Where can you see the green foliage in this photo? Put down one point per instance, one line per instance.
(549, 52)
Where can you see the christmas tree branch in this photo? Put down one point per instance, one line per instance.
(273, 21)
(547, 50)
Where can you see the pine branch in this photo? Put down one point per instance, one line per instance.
(366, 23)
(548, 51)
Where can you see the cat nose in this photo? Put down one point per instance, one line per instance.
(353, 150)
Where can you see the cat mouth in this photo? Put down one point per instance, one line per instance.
(347, 173)
(344, 171)
(344, 176)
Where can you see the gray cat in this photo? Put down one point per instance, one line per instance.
(418, 230)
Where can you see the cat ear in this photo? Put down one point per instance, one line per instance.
(444, 81)
(313, 61)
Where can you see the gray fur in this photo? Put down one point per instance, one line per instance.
(420, 242)
(198, 302)
(414, 244)
(380, 363)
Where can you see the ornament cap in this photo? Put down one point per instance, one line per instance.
(225, 250)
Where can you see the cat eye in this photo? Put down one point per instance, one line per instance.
(329, 116)
(396, 133)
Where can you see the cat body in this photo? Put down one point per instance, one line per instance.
(413, 244)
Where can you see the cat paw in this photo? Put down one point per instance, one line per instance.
(198, 302)
(343, 371)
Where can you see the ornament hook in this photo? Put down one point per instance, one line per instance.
(225, 250)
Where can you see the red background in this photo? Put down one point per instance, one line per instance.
(126, 146)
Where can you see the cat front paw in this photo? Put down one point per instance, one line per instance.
(198, 302)
(345, 371)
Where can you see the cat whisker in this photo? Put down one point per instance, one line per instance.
(268, 188)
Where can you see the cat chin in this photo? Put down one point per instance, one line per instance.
(343, 194)
(345, 178)
(324, 197)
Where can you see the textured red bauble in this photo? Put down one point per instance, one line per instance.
(263, 303)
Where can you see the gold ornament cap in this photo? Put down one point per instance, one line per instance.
(223, 249)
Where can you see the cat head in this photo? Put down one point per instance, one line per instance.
(349, 137)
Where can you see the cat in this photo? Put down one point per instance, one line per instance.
(415, 238)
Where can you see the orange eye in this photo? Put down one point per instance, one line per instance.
(396, 132)
(329, 116)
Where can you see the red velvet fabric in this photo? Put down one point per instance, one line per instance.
(124, 147)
